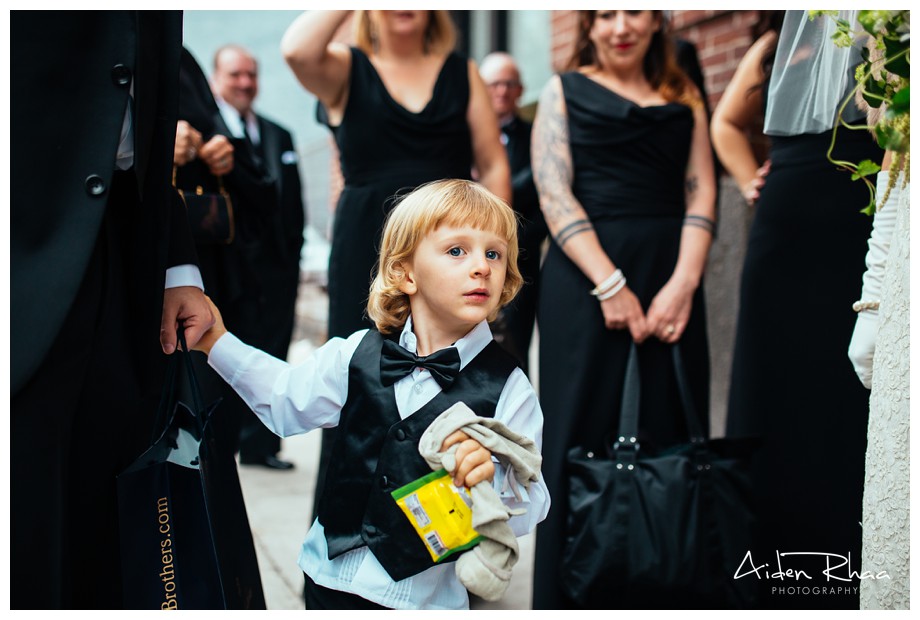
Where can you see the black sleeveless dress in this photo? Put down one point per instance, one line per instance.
(629, 168)
(385, 150)
(792, 383)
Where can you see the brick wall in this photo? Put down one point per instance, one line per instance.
(721, 39)
(564, 31)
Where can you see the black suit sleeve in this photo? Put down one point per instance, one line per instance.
(181, 245)
(293, 214)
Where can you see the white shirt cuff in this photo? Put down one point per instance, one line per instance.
(226, 356)
(184, 275)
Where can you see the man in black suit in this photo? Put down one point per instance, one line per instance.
(514, 327)
(228, 269)
(98, 235)
(275, 258)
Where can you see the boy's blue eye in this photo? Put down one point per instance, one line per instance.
(493, 255)
(455, 252)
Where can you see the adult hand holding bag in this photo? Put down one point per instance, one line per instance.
(672, 526)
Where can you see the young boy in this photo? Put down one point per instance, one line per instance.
(448, 263)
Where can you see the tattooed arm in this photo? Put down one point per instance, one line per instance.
(671, 306)
(568, 223)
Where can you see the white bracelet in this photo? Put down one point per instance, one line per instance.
(613, 291)
(859, 306)
(604, 286)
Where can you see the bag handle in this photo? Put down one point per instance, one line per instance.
(194, 386)
(694, 428)
(629, 409)
(219, 177)
(167, 395)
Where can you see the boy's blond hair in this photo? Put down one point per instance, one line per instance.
(452, 202)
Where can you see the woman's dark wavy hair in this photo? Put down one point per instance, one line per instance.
(766, 22)
(660, 64)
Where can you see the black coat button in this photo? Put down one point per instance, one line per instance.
(94, 185)
(384, 481)
(400, 434)
(121, 75)
(370, 530)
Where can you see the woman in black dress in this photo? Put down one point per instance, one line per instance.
(622, 162)
(792, 384)
(404, 110)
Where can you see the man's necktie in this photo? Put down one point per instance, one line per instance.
(396, 363)
(256, 151)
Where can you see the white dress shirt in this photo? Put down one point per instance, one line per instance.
(124, 156)
(234, 121)
(296, 399)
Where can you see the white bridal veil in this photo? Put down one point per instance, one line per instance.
(811, 76)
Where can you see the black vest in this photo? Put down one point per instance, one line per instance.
(376, 453)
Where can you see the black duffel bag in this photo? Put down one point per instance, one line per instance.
(665, 530)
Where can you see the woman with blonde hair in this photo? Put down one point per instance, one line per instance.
(404, 110)
(622, 163)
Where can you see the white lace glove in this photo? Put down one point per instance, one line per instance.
(862, 343)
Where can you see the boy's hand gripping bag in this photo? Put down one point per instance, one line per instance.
(185, 537)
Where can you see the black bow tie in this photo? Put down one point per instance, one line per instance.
(396, 363)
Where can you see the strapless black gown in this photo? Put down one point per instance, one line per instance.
(629, 163)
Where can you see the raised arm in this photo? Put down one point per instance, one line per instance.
(670, 309)
(489, 155)
(320, 65)
(568, 223)
(740, 105)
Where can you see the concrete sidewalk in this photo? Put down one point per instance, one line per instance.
(279, 503)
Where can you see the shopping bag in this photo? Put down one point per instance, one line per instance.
(184, 534)
(666, 529)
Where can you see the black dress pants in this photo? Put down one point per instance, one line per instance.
(277, 300)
